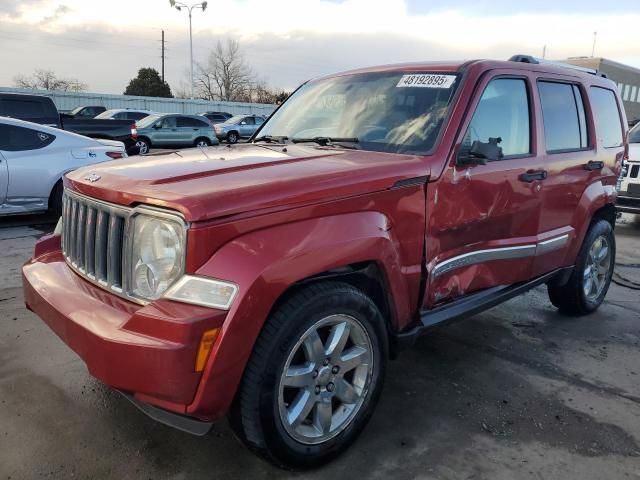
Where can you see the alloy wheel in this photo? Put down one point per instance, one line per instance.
(597, 268)
(325, 379)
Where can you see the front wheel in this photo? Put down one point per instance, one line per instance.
(591, 276)
(314, 377)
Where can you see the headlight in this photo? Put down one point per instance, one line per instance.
(157, 255)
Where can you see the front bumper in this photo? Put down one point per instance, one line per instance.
(147, 351)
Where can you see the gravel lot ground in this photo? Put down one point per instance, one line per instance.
(516, 392)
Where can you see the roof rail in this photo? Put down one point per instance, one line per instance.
(538, 61)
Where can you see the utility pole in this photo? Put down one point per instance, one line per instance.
(593, 48)
(163, 42)
(544, 52)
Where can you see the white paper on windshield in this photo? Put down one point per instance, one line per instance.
(426, 80)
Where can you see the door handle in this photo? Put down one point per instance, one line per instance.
(533, 175)
(593, 165)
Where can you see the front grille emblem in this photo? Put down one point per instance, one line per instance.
(92, 177)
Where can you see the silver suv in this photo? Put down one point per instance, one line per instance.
(240, 126)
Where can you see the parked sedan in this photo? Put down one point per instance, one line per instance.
(124, 114)
(33, 159)
(173, 130)
(240, 126)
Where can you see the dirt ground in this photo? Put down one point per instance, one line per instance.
(518, 392)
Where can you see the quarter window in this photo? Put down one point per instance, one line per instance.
(503, 112)
(563, 116)
(607, 117)
(18, 139)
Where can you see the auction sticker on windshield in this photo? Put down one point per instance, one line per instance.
(426, 80)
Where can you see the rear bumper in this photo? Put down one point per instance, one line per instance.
(148, 352)
(628, 204)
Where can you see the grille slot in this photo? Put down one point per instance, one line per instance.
(634, 171)
(93, 239)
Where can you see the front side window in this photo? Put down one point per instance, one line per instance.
(18, 139)
(169, 122)
(563, 116)
(503, 114)
(393, 112)
(607, 117)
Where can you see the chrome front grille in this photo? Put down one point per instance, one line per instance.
(93, 239)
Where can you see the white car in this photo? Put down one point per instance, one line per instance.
(629, 191)
(33, 159)
(124, 114)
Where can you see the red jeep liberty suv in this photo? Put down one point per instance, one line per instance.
(272, 281)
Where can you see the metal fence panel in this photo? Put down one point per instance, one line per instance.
(69, 100)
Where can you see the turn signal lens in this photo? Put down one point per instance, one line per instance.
(206, 344)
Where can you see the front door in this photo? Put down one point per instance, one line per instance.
(167, 134)
(483, 222)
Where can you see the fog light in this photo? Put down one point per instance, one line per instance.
(206, 345)
(203, 291)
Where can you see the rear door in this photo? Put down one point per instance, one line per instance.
(191, 128)
(32, 163)
(482, 229)
(581, 141)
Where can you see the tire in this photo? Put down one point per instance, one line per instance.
(263, 407)
(233, 137)
(591, 276)
(202, 142)
(55, 200)
(144, 145)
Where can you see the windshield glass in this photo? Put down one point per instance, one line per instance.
(75, 110)
(634, 134)
(107, 114)
(147, 121)
(385, 111)
(235, 119)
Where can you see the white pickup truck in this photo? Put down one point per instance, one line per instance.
(629, 193)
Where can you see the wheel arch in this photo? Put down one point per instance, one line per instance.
(269, 265)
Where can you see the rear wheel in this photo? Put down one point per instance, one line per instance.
(233, 137)
(314, 377)
(144, 145)
(591, 276)
(202, 142)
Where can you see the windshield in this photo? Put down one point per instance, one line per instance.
(75, 110)
(107, 114)
(634, 134)
(383, 111)
(236, 119)
(147, 121)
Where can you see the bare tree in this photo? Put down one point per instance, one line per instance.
(48, 80)
(226, 76)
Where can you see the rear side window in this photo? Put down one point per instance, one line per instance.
(607, 117)
(565, 126)
(17, 139)
(136, 115)
(191, 122)
(503, 112)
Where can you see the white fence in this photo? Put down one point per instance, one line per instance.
(69, 100)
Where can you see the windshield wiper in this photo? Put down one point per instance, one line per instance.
(329, 141)
(272, 139)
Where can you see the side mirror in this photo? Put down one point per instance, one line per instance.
(480, 152)
(243, 123)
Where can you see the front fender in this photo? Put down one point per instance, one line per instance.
(265, 263)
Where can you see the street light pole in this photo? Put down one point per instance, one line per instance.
(179, 6)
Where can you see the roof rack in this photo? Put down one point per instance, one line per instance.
(538, 61)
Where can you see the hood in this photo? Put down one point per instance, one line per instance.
(219, 181)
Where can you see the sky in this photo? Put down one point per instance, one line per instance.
(104, 42)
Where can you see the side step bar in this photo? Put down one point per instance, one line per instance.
(475, 303)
